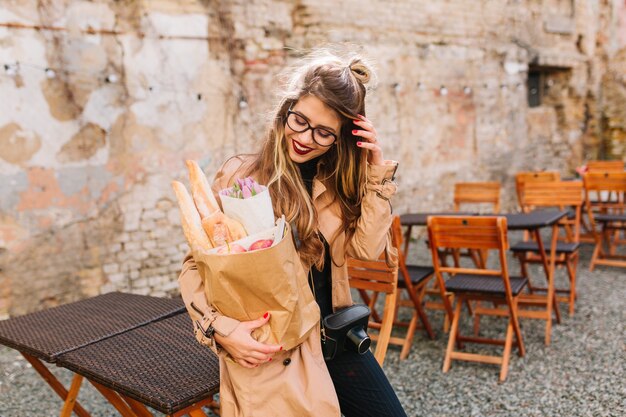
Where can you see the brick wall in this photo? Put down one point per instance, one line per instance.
(86, 164)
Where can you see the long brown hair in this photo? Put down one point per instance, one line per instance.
(339, 82)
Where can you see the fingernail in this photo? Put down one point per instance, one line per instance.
(266, 315)
(357, 120)
(270, 359)
(354, 131)
(281, 348)
(359, 143)
(360, 115)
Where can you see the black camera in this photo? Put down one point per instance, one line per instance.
(346, 330)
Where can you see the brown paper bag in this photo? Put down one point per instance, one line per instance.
(246, 285)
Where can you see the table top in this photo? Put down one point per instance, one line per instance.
(48, 333)
(159, 364)
(515, 221)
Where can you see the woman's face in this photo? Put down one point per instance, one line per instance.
(310, 109)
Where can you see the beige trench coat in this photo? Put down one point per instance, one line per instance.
(279, 388)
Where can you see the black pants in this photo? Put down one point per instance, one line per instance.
(362, 387)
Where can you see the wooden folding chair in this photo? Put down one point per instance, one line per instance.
(473, 194)
(477, 193)
(377, 278)
(480, 284)
(521, 178)
(605, 166)
(597, 201)
(412, 281)
(605, 207)
(563, 195)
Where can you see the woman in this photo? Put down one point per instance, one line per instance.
(325, 170)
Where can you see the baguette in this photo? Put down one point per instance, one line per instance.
(201, 190)
(221, 229)
(190, 219)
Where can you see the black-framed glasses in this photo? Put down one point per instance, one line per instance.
(299, 124)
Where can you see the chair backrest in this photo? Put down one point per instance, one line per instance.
(605, 166)
(561, 194)
(468, 232)
(604, 190)
(477, 193)
(521, 178)
(378, 277)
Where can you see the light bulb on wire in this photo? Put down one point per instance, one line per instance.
(50, 73)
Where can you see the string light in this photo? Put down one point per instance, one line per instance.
(467, 90)
(111, 78)
(243, 104)
(443, 90)
(50, 73)
(12, 69)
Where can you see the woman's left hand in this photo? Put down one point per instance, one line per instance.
(369, 142)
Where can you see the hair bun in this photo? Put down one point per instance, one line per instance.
(360, 71)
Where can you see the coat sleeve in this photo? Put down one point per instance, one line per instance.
(372, 228)
(203, 315)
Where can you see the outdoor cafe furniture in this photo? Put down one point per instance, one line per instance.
(564, 195)
(379, 279)
(478, 283)
(412, 281)
(605, 194)
(533, 222)
(521, 178)
(473, 194)
(136, 350)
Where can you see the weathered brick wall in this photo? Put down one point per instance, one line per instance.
(85, 165)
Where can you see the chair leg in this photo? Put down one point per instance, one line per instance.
(596, 253)
(452, 338)
(477, 318)
(504, 369)
(571, 270)
(524, 271)
(408, 339)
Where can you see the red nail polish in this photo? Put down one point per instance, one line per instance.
(354, 131)
(359, 143)
(360, 115)
(270, 360)
(266, 315)
(281, 348)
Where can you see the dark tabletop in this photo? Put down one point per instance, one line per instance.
(160, 364)
(515, 221)
(47, 334)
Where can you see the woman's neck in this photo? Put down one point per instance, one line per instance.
(308, 170)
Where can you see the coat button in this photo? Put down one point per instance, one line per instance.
(287, 361)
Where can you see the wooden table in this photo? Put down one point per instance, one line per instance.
(136, 350)
(532, 222)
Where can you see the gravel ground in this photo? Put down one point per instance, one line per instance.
(582, 373)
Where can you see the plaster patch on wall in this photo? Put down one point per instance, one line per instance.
(83, 145)
(45, 193)
(17, 146)
(96, 180)
(10, 187)
(60, 100)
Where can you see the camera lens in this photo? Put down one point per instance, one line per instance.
(358, 340)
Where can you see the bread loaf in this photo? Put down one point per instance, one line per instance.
(201, 190)
(221, 228)
(190, 219)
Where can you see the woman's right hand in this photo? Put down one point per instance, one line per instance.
(244, 350)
